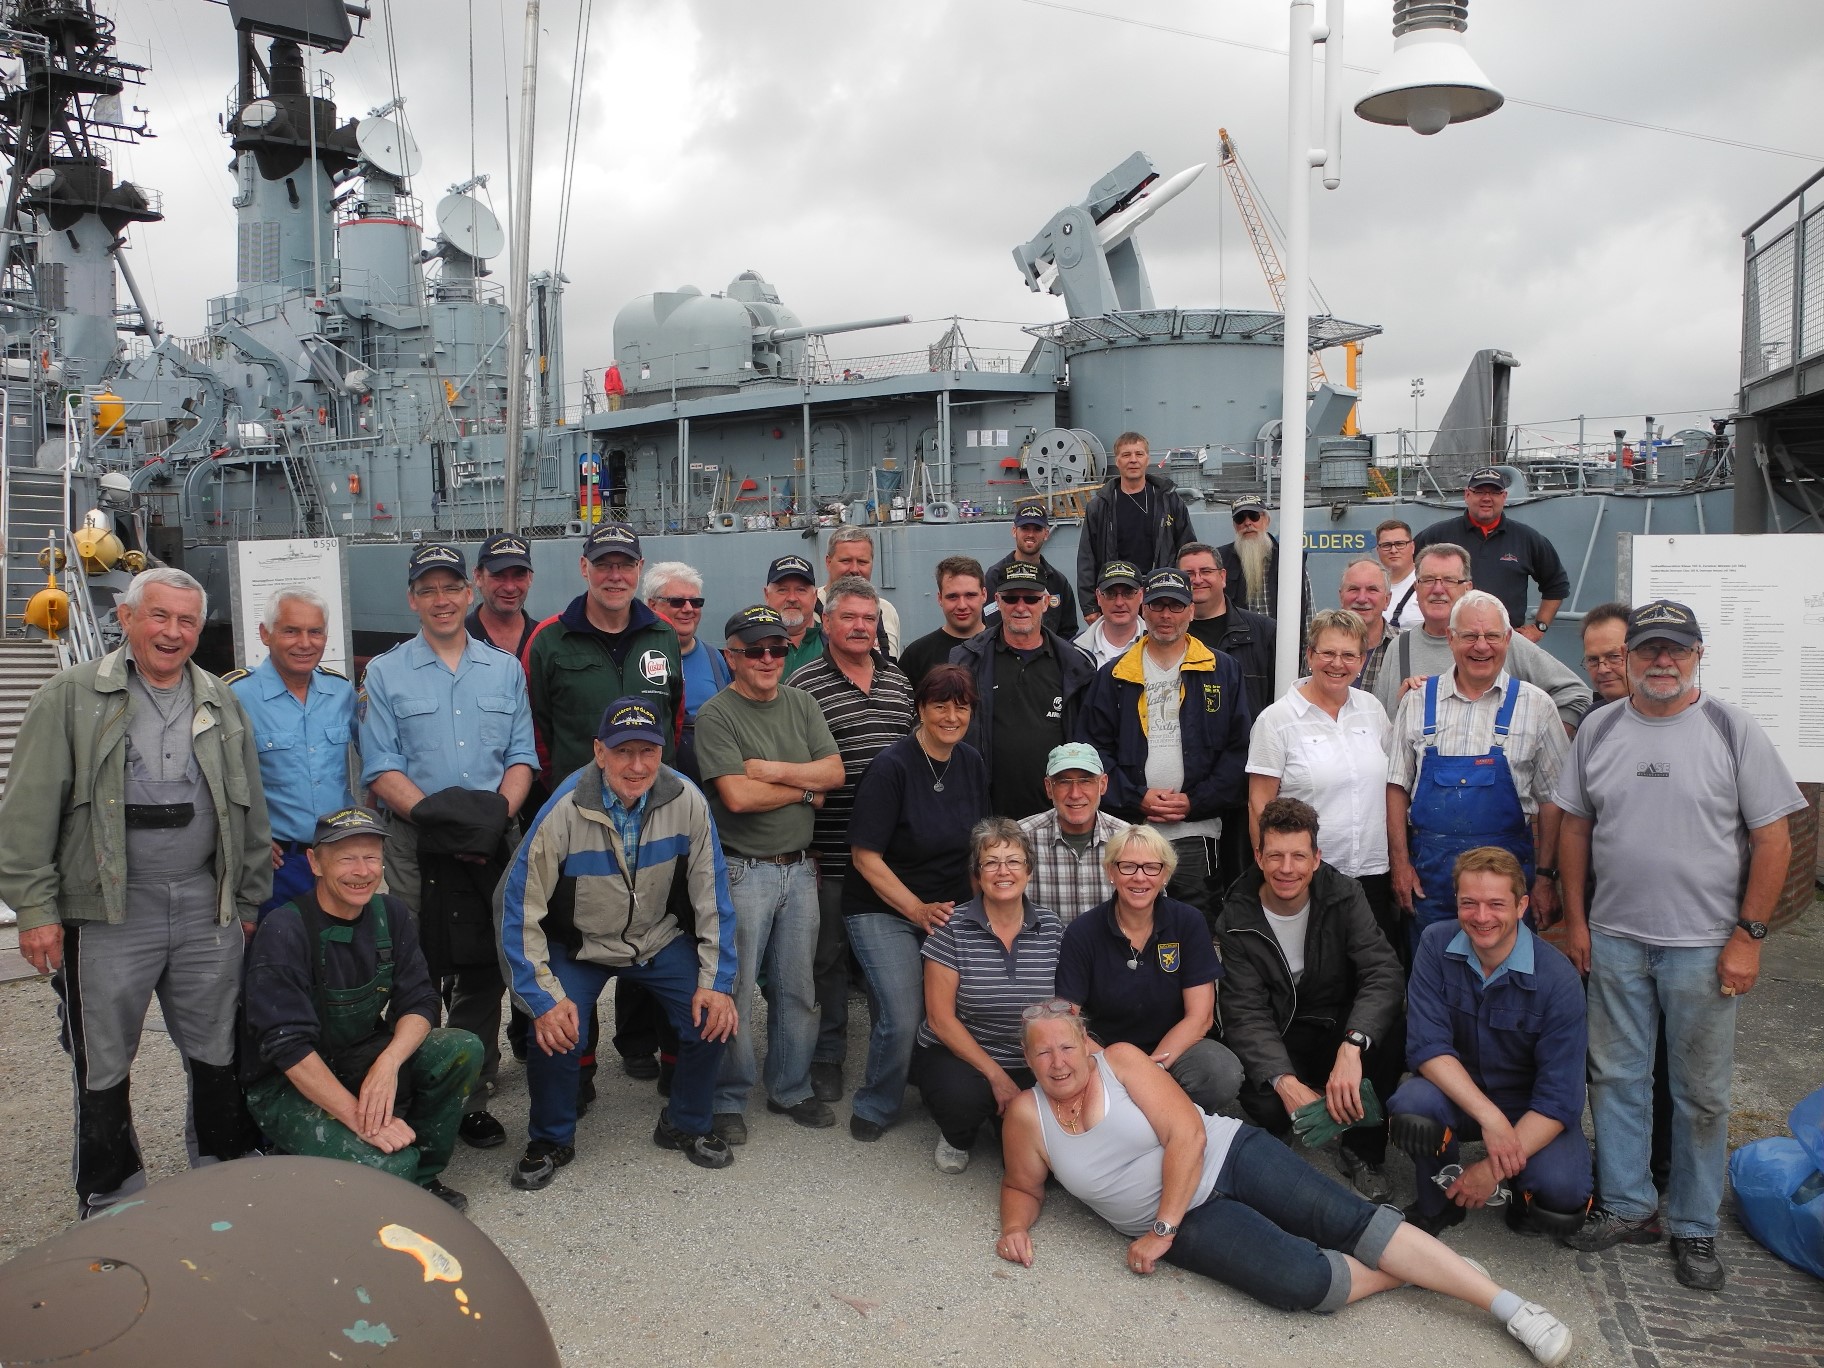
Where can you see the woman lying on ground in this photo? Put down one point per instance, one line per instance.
(1214, 1195)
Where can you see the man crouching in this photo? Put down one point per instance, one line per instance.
(342, 1055)
(603, 885)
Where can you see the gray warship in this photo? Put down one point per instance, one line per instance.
(353, 381)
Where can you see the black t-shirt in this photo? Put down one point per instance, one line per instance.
(1135, 1006)
(1028, 721)
(930, 650)
(1134, 520)
(922, 834)
(1209, 630)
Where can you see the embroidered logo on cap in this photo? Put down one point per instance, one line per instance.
(634, 715)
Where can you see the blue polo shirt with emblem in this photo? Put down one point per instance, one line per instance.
(303, 746)
(1135, 1006)
(444, 728)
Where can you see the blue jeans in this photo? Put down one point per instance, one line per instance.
(1277, 1229)
(775, 930)
(1632, 984)
(888, 947)
(1557, 1178)
(671, 976)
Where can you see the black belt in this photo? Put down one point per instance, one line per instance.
(293, 847)
(791, 858)
(160, 816)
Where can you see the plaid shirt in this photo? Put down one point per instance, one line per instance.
(1372, 662)
(627, 822)
(1067, 883)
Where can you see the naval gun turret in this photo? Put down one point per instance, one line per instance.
(684, 341)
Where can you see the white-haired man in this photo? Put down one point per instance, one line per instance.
(135, 849)
(303, 718)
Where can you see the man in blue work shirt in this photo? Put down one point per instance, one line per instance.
(1495, 1032)
(302, 716)
(446, 746)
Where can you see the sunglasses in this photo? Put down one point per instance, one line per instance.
(1250, 517)
(1022, 598)
(763, 652)
(680, 601)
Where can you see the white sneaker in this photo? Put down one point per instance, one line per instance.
(1546, 1338)
(949, 1158)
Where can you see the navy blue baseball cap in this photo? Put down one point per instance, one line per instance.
(355, 821)
(1489, 477)
(758, 623)
(436, 556)
(504, 551)
(1663, 620)
(1168, 585)
(1031, 514)
(629, 719)
(611, 539)
(790, 567)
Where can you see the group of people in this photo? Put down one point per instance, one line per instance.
(1106, 893)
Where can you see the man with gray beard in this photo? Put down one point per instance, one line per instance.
(1251, 562)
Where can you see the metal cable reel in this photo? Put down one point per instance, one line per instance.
(1061, 457)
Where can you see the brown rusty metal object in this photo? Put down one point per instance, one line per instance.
(273, 1260)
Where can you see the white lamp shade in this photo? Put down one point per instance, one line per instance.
(1429, 82)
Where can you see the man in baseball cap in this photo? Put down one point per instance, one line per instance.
(436, 556)
(1506, 558)
(791, 591)
(1117, 613)
(341, 1054)
(503, 582)
(1663, 620)
(1031, 530)
(1068, 837)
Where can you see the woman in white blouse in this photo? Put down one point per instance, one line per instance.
(1325, 742)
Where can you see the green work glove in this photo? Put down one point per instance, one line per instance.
(1315, 1126)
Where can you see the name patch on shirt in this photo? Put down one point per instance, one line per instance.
(1169, 956)
(655, 667)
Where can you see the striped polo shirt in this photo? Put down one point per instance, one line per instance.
(995, 983)
(864, 724)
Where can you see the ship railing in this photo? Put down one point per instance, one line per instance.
(324, 88)
(1783, 285)
(83, 639)
(1240, 325)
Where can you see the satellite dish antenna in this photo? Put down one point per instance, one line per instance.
(258, 113)
(470, 227)
(387, 147)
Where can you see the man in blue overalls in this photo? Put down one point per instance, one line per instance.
(1472, 759)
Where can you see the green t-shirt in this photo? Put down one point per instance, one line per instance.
(732, 729)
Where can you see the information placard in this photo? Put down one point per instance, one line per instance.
(263, 567)
(1760, 603)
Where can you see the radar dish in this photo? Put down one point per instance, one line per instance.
(387, 146)
(470, 227)
(258, 113)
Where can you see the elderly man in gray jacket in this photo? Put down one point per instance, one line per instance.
(135, 848)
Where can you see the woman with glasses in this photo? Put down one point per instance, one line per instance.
(674, 591)
(1213, 1195)
(1142, 967)
(993, 958)
(1326, 743)
(915, 806)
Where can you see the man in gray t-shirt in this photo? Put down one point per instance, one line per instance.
(767, 758)
(1678, 803)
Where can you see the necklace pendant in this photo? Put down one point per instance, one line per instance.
(937, 786)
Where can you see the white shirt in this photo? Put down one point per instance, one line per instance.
(1096, 642)
(1339, 767)
(1165, 745)
(1290, 933)
(1412, 617)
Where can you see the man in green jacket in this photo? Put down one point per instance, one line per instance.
(134, 846)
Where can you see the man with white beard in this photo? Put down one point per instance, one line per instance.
(1252, 563)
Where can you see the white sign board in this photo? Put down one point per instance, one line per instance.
(263, 567)
(1760, 602)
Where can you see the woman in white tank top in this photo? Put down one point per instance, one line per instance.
(1214, 1195)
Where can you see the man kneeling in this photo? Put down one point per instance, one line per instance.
(342, 1057)
(1496, 1032)
(601, 887)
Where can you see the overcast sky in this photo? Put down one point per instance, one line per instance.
(879, 158)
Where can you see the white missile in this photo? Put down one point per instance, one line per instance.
(1119, 227)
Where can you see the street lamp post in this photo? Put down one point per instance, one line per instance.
(1429, 83)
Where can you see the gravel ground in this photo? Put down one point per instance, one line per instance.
(810, 1248)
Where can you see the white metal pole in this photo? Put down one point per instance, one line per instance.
(1295, 363)
(517, 275)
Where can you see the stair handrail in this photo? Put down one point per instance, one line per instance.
(83, 639)
(6, 502)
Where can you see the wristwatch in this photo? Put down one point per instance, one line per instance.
(809, 799)
(1164, 1229)
(1544, 873)
(1756, 930)
(1358, 1039)
(1542, 626)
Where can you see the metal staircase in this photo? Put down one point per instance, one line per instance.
(24, 667)
(32, 506)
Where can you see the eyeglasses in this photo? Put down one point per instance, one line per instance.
(1151, 868)
(1337, 657)
(764, 652)
(1051, 1007)
(1118, 591)
(1027, 599)
(1250, 517)
(1492, 638)
(1399, 545)
(1610, 659)
(1013, 864)
(1430, 580)
(439, 591)
(1652, 650)
(675, 601)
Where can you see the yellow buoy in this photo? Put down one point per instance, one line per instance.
(49, 611)
(110, 414)
(98, 550)
(46, 556)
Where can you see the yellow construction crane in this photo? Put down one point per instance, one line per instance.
(1268, 255)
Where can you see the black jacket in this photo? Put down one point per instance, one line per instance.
(976, 655)
(1249, 639)
(1096, 540)
(461, 855)
(1352, 979)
